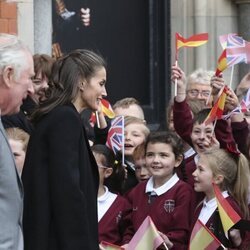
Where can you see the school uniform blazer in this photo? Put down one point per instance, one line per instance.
(61, 180)
(11, 198)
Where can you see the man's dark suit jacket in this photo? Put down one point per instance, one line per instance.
(60, 178)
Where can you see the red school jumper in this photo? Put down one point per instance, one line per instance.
(115, 222)
(170, 210)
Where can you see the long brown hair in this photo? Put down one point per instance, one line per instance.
(66, 74)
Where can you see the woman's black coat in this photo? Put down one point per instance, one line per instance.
(60, 178)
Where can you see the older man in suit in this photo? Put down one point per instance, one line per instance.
(16, 72)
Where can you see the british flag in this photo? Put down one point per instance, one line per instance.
(237, 50)
(115, 139)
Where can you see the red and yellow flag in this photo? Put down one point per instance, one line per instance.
(193, 41)
(218, 108)
(146, 237)
(107, 109)
(228, 215)
(108, 246)
(222, 63)
(203, 238)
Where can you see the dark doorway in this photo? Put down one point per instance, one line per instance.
(131, 35)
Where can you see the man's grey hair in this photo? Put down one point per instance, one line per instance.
(12, 53)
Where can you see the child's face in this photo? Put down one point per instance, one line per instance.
(134, 136)
(203, 177)
(19, 153)
(161, 161)
(201, 136)
(141, 171)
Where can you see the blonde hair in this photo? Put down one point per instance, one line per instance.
(235, 170)
(18, 134)
(134, 120)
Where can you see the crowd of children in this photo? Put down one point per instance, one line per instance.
(167, 175)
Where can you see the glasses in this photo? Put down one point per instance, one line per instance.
(196, 92)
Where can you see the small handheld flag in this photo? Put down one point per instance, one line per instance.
(228, 215)
(107, 111)
(115, 138)
(146, 237)
(203, 238)
(218, 108)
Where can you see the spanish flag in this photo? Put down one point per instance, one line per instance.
(222, 63)
(108, 246)
(228, 215)
(193, 41)
(218, 108)
(203, 238)
(107, 109)
(146, 237)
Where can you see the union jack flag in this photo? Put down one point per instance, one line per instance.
(237, 50)
(115, 139)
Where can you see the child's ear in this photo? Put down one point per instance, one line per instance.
(178, 161)
(108, 172)
(218, 179)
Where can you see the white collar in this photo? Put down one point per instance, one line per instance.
(189, 153)
(213, 202)
(162, 189)
(105, 196)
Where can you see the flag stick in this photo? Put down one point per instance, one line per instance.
(175, 82)
(214, 126)
(223, 246)
(97, 119)
(209, 97)
(164, 244)
(231, 78)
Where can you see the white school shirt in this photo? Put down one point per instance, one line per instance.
(104, 202)
(162, 189)
(209, 207)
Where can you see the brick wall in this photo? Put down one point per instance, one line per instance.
(8, 17)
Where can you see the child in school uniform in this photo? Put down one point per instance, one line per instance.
(164, 197)
(113, 210)
(135, 132)
(141, 171)
(231, 173)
